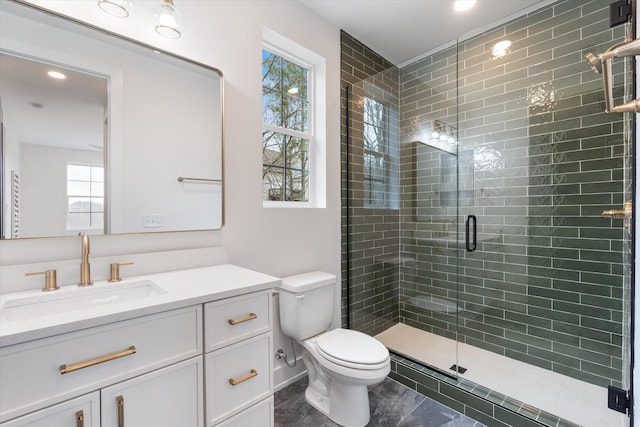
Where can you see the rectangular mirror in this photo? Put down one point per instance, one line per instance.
(128, 141)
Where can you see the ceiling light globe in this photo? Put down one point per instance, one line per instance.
(168, 20)
(118, 8)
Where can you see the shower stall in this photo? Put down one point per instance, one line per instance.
(475, 248)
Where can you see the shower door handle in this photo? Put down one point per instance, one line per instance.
(471, 243)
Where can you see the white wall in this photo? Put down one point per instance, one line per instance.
(227, 34)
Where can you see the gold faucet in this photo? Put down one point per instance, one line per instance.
(85, 267)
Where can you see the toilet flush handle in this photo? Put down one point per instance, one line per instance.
(299, 296)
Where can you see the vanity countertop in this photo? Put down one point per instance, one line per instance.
(180, 289)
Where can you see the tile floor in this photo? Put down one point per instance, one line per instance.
(392, 405)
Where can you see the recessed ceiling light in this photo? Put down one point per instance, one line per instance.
(56, 75)
(463, 5)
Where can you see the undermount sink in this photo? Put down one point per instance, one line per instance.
(73, 298)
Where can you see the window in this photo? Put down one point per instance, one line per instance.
(85, 197)
(293, 108)
(285, 136)
(380, 156)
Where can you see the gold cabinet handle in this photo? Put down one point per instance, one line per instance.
(80, 419)
(64, 369)
(234, 381)
(251, 316)
(120, 402)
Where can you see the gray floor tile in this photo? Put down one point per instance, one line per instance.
(392, 405)
(433, 414)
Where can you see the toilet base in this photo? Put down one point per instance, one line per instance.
(343, 400)
(347, 406)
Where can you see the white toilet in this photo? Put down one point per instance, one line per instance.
(341, 362)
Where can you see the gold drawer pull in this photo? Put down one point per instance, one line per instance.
(64, 369)
(120, 402)
(250, 375)
(80, 419)
(251, 316)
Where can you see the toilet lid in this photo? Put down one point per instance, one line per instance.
(351, 346)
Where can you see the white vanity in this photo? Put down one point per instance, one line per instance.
(195, 352)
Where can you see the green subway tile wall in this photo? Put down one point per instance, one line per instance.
(538, 161)
(545, 284)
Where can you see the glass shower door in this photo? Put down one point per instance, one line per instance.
(544, 280)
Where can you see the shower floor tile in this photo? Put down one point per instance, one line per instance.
(560, 395)
(392, 405)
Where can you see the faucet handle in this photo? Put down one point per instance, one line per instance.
(115, 271)
(50, 282)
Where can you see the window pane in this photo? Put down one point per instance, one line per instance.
(294, 79)
(295, 116)
(297, 188)
(373, 112)
(97, 174)
(97, 189)
(272, 183)
(272, 148)
(78, 220)
(374, 167)
(271, 70)
(272, 108)
(78, 188)
(372, 138)
(97, 204)
(97, 219)
(298, 154)
(79, 204)
(78, 173)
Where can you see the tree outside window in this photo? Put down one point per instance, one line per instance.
(286, 129)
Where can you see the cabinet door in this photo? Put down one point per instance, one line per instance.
(83, 411)
(168, 397)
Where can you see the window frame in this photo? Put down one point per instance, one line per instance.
(316, 116)
(91, 182)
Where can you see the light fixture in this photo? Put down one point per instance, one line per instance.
(119, 8)
(168, 20)
(442, 133)
(463, 5)
(56, 75)
(501, 49)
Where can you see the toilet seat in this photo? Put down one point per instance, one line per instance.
(352, 349)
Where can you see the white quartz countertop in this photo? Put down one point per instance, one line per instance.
(178, 289)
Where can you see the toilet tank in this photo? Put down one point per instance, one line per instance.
(306, 304)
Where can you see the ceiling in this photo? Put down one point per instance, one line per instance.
(400, 30)
(65, 113)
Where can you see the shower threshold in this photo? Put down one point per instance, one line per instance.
(568, 398)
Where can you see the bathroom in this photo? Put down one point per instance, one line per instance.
(271, 240)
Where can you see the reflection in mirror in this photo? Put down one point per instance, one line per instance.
(101, 150)
(55, 131)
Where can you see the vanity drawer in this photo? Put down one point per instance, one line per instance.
(63, 414)
(32, 373)
(247, 364)
(260, 414)
(233, 319)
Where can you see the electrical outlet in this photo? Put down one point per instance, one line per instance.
(152, 220)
